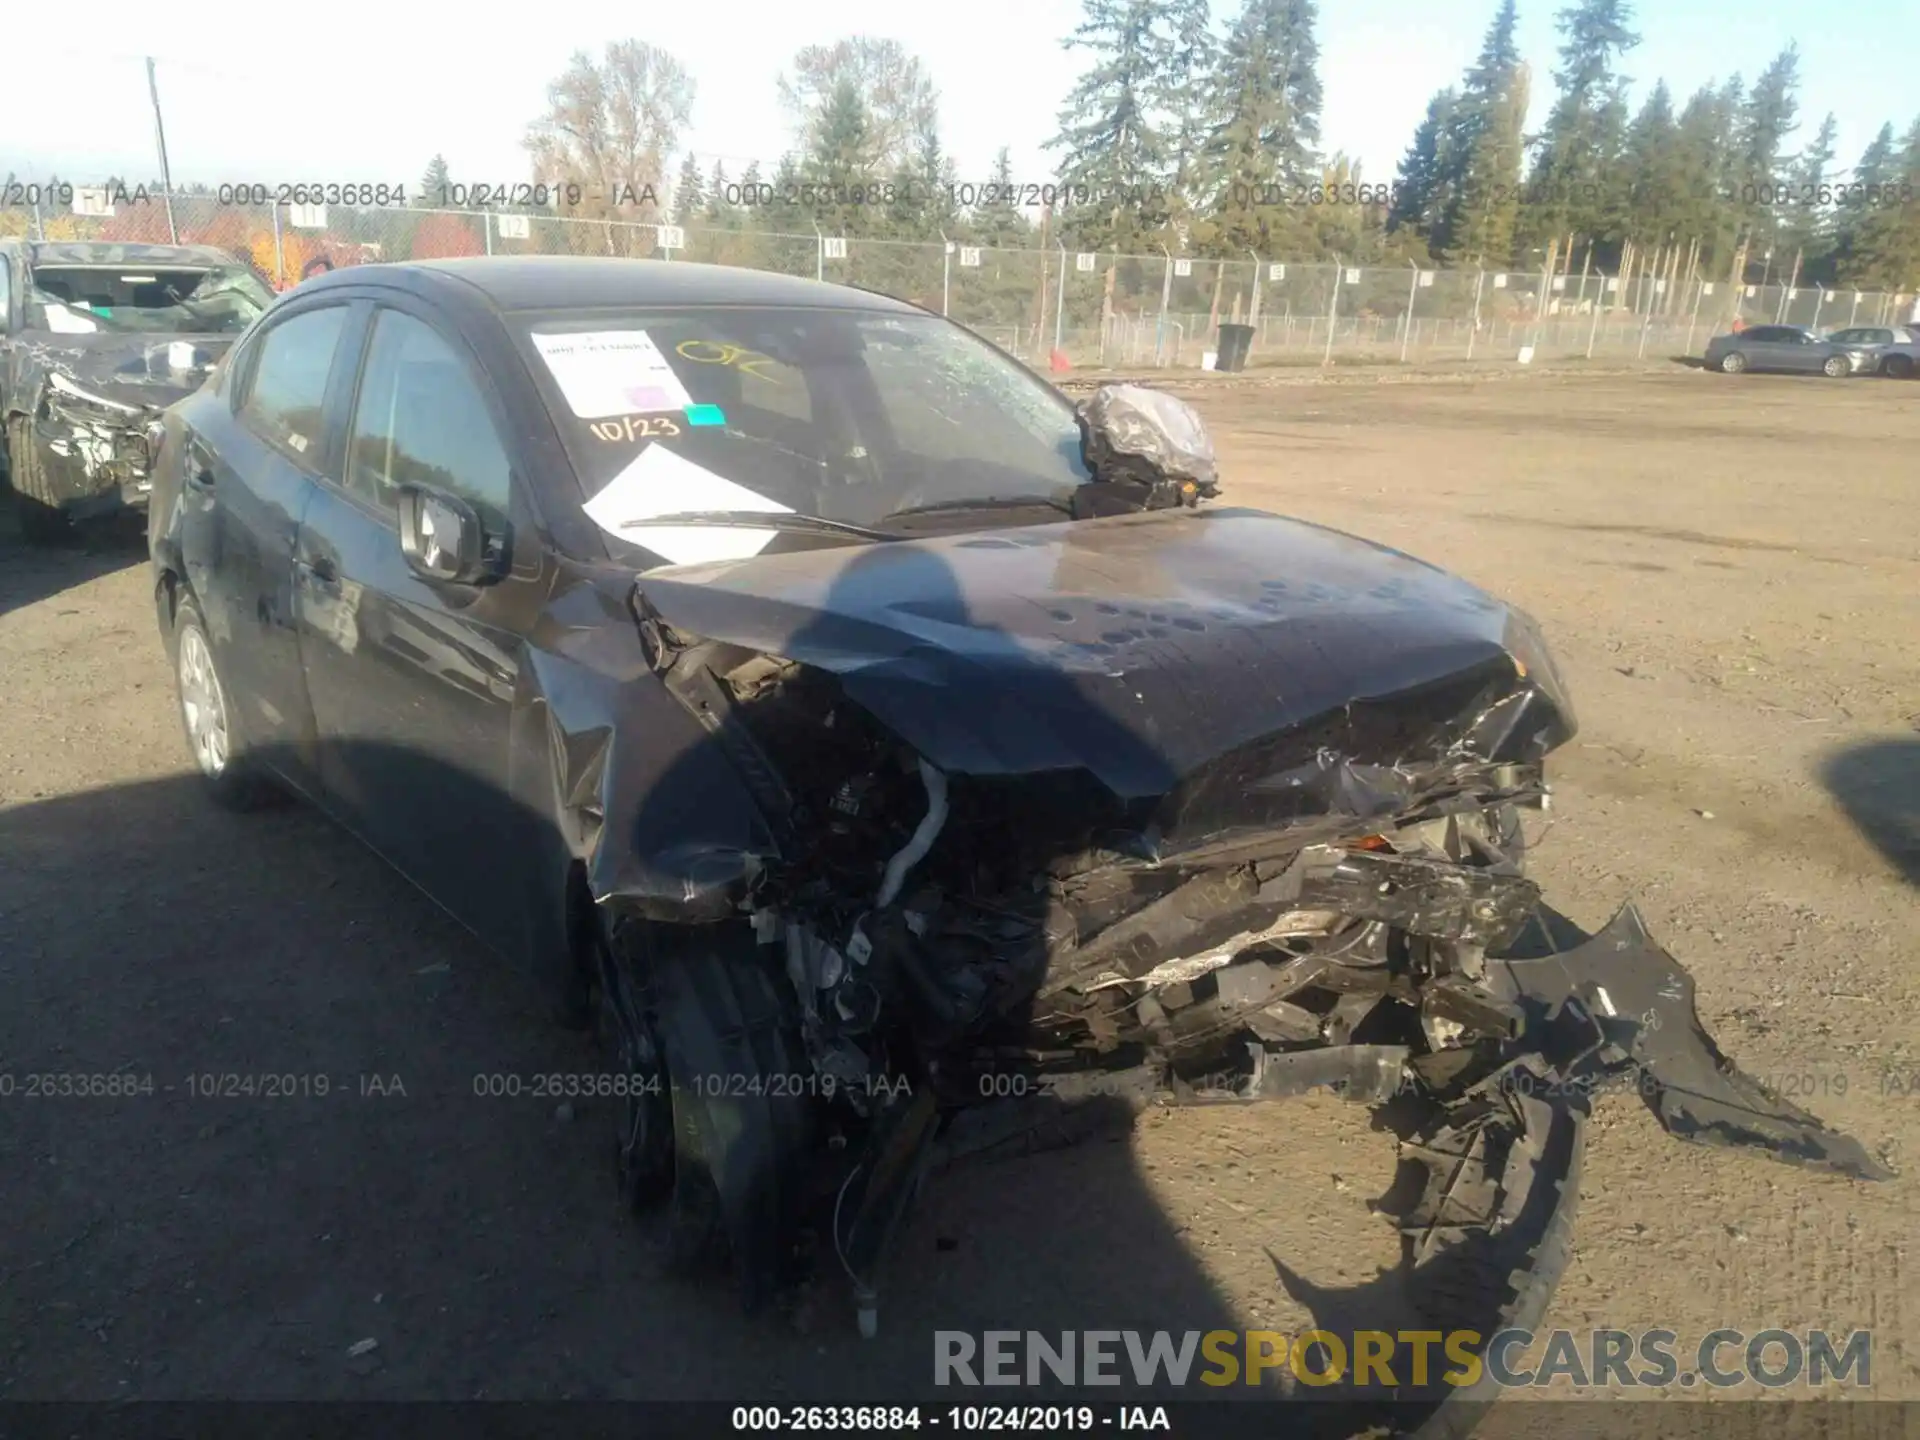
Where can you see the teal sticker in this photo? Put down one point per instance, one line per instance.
(706, 415)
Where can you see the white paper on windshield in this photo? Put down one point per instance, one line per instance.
(62, 321)
(612, 372)
(659, 482)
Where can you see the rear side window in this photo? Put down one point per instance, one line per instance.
(288, 391)
(421, 419)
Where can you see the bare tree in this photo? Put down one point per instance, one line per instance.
(609, 129)
(902, 105)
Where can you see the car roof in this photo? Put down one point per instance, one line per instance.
(116, 252)
(589, 282)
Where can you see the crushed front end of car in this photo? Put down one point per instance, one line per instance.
(1179, 806)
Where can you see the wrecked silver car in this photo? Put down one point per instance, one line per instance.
(894, 761)
(97, 339)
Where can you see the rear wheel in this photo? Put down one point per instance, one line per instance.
(1732, 363)
(1836, 367)
(42, 521)
(1900, 367)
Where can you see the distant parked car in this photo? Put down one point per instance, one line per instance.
(1783, 347)
(1891, 349)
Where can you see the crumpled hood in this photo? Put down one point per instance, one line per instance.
(1144, 648)
(148, 370)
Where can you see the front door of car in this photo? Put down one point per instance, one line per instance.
(249, 466)
(1803, 352)
(413, 679)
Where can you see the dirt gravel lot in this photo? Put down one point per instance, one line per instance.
(1730, 573)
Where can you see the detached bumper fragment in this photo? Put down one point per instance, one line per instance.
(1618, 1002)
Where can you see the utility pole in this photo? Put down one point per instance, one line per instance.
(160, 139)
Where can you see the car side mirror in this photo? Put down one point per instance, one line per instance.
(441, 536)
(1146, 449)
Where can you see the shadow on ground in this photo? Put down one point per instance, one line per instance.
(1878, 784)
(31, 573)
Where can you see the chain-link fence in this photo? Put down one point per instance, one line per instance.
(1055, 305)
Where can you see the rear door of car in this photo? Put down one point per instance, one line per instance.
(413, 679)
(250, 459)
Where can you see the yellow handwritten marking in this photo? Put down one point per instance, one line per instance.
(634, 427)
(724, 354)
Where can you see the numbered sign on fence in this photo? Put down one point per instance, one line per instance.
(1707, 289)
(1659, 287)
(1613, 284)
(1499, 282)
(1276, 272)
(307, 217)
(1183, 267)
(92, 201)
(970, 256)
(515, 227)
(672, 237)
(1353, 277)
(836, 247)
(1559, 283)
(1085, 261)
(1426, 279)
(1751, 290)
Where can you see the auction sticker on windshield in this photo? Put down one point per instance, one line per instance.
(660, 482)
(612, 372)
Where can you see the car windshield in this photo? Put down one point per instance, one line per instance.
(134, 299)
(868, 418)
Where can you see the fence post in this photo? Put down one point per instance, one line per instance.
(1819, 299)
(1059, 301)
(1473, 332)
(1166, 295)
(1599, 304)
(39, 230)
(819, 254)
(279, 257)
(486, 228)
(1854, 313)
(1333, 313)
(946, 269)
(1406, 321)
(1699, 289)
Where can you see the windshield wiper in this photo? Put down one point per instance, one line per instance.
(985, 502)
(763, 520)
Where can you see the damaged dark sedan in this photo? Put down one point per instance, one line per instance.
(96, 339)
(893, 760)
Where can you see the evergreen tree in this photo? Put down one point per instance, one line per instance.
(1661, 196)
(1422, 191)
(719, 210)
(1765, 122)
(1484, 151)
(841, 156)
(1885, 253)
(998, 221)
(1179, 97)
(1575, 185)
(1265, 95)
(688, 197)
(934, 182)
(1808, 217)
(1874, 170)
(1110, 140)
(434, 183)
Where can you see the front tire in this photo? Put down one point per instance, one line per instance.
(42, 522)
(231, 776)
(1733, 363)
(1836, 368)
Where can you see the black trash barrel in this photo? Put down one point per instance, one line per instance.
(1235, 343)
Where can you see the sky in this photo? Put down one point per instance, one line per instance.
(352, 91)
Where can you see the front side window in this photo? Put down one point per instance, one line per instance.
(848, 415)
(421, 419)
(286, 397)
